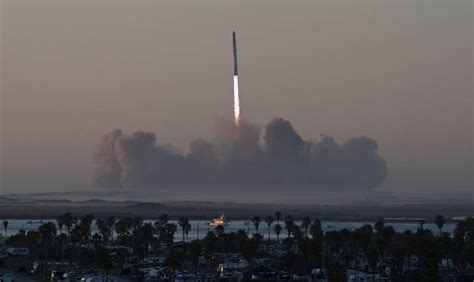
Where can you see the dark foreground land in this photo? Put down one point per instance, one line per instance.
(128, 249)
(351, 207)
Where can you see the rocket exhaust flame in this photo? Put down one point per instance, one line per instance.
(236, 100)
(236, 82)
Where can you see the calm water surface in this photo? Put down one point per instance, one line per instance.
(201, 227)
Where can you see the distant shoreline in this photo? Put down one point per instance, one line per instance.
(206, 211)
(357, 207)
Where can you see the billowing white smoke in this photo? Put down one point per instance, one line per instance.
(355, 163)
(235, 157)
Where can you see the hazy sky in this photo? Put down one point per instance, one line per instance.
(400, 72)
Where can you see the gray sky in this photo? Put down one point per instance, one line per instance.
(400, 72)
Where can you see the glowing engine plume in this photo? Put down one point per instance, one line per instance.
(236, 82)
(236, 100)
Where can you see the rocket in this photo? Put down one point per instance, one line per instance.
(234, 41)
(236, 83)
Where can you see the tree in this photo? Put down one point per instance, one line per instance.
(136, 223)
(5, 227)
(219, 230)
(147, 235)
(47, 231)
(384, 238)
(278, 216)
(32, 241)
(122, 227)
(105, 261)
(60, 223)
(316, 230)
(289, 224)
(422, 223)
(141, 238)
(185, 227)
(163, 219)
(258, 238)
(440, 221)
(69, 221)
(96, 238)
(379, 225)
(269, 220)
(165, 230)
(464, 242)
(104, 229)
(277, 230)
(110, 223)
(256, 222)
(426, 248)
(306, 224)
(372, 256)
(316, 242)
(170, 231)
(85, 226)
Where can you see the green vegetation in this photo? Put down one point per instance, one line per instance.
(369, 248)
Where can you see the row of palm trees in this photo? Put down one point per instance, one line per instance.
(107, 225)
(307, 224)
(289, 224)
(312, 246)
(342, 249)
(81, 228)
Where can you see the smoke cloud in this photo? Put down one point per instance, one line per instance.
(238, 156)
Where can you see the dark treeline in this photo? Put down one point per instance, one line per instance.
(306, 246)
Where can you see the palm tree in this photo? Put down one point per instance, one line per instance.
(60, 223)
(269, 220)
(384, 237)
(163, 219)
(422, 223)
(277, 216)
(69, 222)
(256, 222)
(5, 227)
(316, 230)
(32, 242)
(47, 231)
(185, 226)
(165, 230)
(306, 224)
(170, 230)
(137, 223)
(289, 224)
(104, 229)
(187, 229)
(85, 226)
(147, 234)
(379, 225)
(277, 230)
(122, 228)
(440, 221)
(110, 223)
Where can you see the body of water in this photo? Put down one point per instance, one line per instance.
(199, 228)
